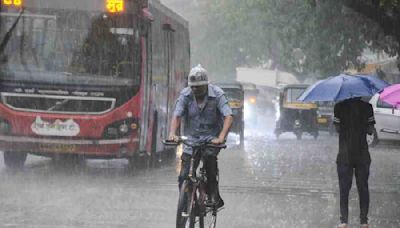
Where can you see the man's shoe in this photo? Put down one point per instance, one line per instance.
(343, 225)
(215, 203)
(364, 225)
(209, 203)
(220, 203)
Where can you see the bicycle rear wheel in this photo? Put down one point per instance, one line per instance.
(185, 216)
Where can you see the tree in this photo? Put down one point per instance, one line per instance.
(386, 13)
(307, 37)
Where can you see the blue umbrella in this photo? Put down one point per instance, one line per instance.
(375, 81)
(343, 87)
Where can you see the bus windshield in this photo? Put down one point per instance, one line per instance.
(70, 42)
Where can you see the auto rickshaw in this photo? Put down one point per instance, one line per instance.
(325, 116)
(293, 115)
(235, 95)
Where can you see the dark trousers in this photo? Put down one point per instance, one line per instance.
(345, 173)
(210, 163)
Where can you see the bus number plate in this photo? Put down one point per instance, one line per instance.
(57, 148)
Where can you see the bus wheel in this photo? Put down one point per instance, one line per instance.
(15, 160)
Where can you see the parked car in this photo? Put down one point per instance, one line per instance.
(387, 120)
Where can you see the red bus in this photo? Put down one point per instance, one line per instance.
(89, 78)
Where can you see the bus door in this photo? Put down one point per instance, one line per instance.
(170, 71)
(146, 44)
(164, 89)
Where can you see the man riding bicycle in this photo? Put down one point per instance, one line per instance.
(207, 117)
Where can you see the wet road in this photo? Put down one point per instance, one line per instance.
(272, 183)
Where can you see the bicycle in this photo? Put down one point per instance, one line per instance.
(193, 192)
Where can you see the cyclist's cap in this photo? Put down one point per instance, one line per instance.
(198, 76)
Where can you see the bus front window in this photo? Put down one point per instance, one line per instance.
(74, 43)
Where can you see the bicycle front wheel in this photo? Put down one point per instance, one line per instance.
(185, 216)
(209, 219)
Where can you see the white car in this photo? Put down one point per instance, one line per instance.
(387, 121)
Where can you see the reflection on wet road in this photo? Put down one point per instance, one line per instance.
(272, 183)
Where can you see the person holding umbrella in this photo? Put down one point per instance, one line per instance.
(353, 120)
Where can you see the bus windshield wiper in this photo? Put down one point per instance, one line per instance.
(7, 37)
(58, 105)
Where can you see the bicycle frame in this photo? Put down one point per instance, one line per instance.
(196, 181)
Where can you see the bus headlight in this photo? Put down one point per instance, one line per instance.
(123, 128)
(120, 128)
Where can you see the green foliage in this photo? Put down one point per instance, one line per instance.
(300, 36)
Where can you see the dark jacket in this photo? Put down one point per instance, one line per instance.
(353, 116)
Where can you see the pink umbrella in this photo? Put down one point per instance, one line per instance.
(391, 95)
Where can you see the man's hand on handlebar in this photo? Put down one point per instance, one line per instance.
(173, 138)
(218, 141)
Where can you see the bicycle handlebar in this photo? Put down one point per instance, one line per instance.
(185, 140)
(170, 142)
